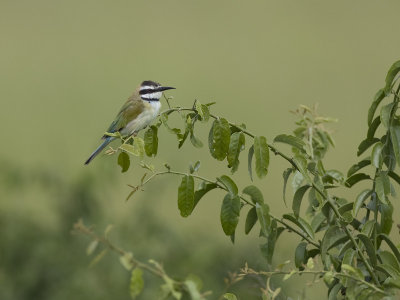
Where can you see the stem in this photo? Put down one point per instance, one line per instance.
(273, 273)
(81, 228)
(222, 187)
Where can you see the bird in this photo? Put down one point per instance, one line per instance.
(141, 108)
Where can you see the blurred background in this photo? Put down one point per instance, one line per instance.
(66, 67)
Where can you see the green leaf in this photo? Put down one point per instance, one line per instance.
(389, 259)
(301, 164)
(249, 162)
(394, 69)
(203, 111)
(254, 193)
(230, 296)
(332, 293)
(377, 99)
(395, 137)
(195, 141)
(333, 236)
(126, 260)
(352, 180)
(290, 140)
(123, 161)
(358, 166)
(136, 149)
(261, 152)
(98, 258)
(386, 218)
(365, 144)
(376, 156)
(267, 249)
(204, 188)
(389, 270)
(382, 187)
(348, 257)
(369, 247)
(193, 290)
(136, 283)
(263, 217)
(186, 196)
(230, 211)
(360, 200)
(229, 184)
(385, 114)
(219, 139)
(373, 127)
(353, 271)
(151, 141)
(300, 223)
(298, 197)
(300, 255)
(236, 145)
(392, 246)
(394, 176)
(317, 221)
(92, 247)
(251, 220)
(286, 175)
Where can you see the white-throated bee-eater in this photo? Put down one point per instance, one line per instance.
(138, 111)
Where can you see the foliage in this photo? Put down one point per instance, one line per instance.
(349, 238)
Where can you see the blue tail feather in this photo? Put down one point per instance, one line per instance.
(107, 140)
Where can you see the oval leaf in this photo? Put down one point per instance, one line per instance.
(229, 184)
(369, 247)
(352, 180)
(136, 283)
(394, 69)
(250, 161)
(377, 99)
(123, 161)
(360, 200)
(358, 166)
(236, 145)
(290, 140)
(376, 156)
(230, 211)
(385, 114)
(263, 216)
(300, 255)
(298, 197)
(251, 219)
(219, 138)
(151, 141)
(255, 194)
(186, 196)
(395, 137)
(204, 188)
(261, 152)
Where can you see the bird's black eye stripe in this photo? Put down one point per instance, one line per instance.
(149, 91)
(146, 91)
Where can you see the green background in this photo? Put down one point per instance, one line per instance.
(66, 67)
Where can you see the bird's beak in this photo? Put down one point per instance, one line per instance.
(164, 88)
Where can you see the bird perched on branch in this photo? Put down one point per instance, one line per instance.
(138, 111)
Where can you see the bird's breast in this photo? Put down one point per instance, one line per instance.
(149, 113)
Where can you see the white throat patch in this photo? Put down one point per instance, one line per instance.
(152, 96)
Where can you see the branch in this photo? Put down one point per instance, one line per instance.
(325, 197)
(222, 187)
(79, 227)
(246, 271)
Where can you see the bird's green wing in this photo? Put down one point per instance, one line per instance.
(129, 111)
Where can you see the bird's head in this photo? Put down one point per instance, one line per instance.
(152, 91)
